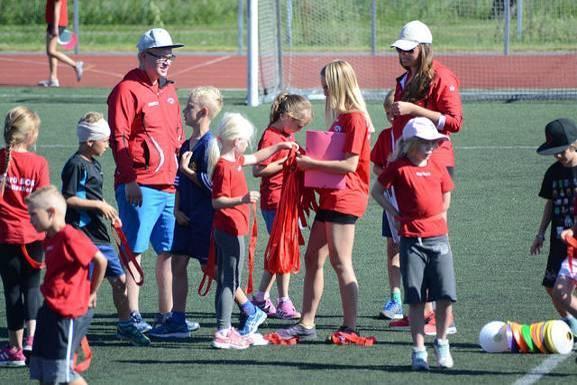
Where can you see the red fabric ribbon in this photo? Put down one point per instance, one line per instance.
(209, 270)
(31, 261)
(127, 257)
(282, 253)
(82, 366)
(571, 249)
(351, 338)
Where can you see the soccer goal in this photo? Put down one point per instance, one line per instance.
(500, 49)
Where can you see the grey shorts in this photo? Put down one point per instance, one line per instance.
(55, 342)
(427, 269)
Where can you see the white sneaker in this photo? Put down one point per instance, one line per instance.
(229, 340)
(49, 83)
(392, 310)
(443, 354)
(79, 70)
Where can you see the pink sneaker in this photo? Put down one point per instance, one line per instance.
(286, 310)
(12, 357)
(230, 340)
(266, 306)
(28, 342)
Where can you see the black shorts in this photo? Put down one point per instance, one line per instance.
(335, 217)
(557, 254)
(49, 29)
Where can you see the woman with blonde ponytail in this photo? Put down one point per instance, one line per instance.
(21, 173)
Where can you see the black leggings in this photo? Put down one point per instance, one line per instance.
(21, 283)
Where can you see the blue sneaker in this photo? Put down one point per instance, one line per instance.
(419, 360)
(252, 322)
(170, 329)
(140, 324)
(128, 331)
(392, 310)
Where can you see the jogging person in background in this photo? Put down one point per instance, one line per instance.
(146, 134)
(426, 89)
(57, 20)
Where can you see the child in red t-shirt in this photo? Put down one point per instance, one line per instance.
(231, 199)
(382, 150)
(423, 191)
(21, 173)
(69, 292)
(334, 226)
(289, 114)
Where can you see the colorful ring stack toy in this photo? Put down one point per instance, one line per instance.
(550, 337)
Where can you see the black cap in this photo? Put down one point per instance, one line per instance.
(559, 135)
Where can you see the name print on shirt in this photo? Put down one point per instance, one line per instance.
(19, 184)
(423, 173)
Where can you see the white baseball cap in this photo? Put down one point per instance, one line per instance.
(156, 38)
(412, 34)
(422, 128)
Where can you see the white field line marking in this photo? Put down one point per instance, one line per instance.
(200, 65)
(543, 369)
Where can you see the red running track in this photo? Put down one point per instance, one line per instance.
(374, 72)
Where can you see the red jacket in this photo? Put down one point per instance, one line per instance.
(443, 97)
(146, 131)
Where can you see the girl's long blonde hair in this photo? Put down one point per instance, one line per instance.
(232, 126)
(20, 124)
(344, 94)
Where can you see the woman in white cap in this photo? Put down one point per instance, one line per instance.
(146, 134)
(426, 89)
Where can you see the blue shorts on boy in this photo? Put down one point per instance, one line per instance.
(195, 202)
(55, 344)
(152, 222)
(427, 269)
(114, 268)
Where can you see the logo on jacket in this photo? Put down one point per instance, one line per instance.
(153, 104)
(337, 128)
(170, 100)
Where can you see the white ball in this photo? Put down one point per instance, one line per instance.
(493, 337)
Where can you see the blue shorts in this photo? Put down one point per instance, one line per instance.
(152, 222)
(191, 242)
(114, 267)
(268, 216)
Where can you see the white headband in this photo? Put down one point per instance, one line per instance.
(92, 131)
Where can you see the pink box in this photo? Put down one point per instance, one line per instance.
(325, 145)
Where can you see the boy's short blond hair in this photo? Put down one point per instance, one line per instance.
(209, 97)
(47, 197)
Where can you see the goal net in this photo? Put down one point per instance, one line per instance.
(527, 50)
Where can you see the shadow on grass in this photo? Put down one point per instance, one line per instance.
(328, 366)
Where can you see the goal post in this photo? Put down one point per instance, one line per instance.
(500, 49)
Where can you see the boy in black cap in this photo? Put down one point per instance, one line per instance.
(559, 188)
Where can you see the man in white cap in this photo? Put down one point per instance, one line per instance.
(146, 133)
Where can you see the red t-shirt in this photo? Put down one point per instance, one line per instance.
(27, 173)
(443, 97)
(63, 22)
(419, 193)
(354, 198)
(66, 286)
(228, 181)
(271, 186)
(383, 148)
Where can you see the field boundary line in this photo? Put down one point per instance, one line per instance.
(541, 370)
(200, 65)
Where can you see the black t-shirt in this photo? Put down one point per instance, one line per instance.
(560, 186)
(83, 178)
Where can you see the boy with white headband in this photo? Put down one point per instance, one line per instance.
(82, 181)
